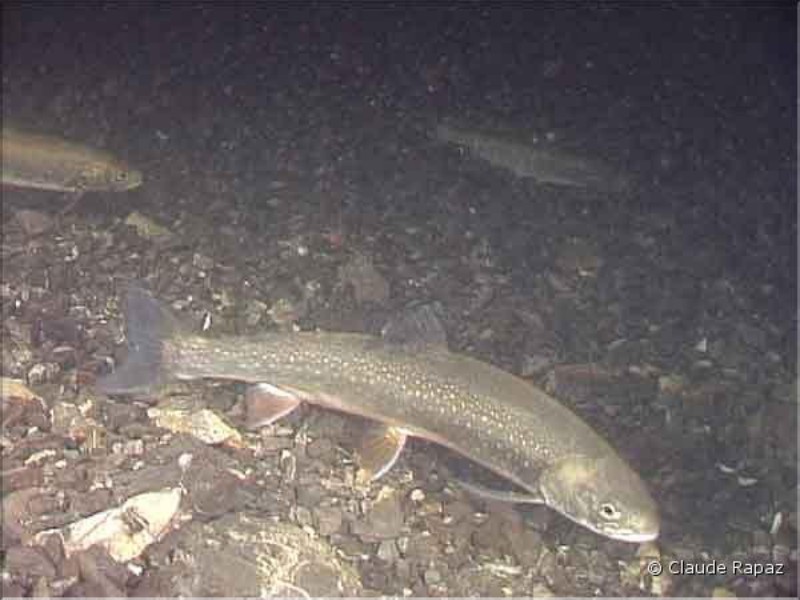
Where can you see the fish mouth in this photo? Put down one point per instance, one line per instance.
(646, 533)
(636, 537)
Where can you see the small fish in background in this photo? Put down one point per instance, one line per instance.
(526, 160)
(33, 160)
(405, 388)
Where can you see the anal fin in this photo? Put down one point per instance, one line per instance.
(265, 404)
(379, 449)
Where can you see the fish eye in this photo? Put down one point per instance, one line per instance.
(122, 176)
(609, 511)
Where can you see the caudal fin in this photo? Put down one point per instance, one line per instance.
(148, 325)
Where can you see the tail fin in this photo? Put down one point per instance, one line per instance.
(148, 325)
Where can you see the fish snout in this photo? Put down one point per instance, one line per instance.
(644, 528)
(126, 179)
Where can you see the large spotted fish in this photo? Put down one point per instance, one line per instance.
(480, 411)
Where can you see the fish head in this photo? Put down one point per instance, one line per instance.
(602, 494)
(112, 176)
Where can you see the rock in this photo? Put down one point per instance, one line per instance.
(104, 576)
(204, 424)
(310, 494)
(244, 555)
(587, 382)
(32, 562)
(16, 389)
(328, 519)
(526, 545)
(320, 448)
(43, 373)
(19, 511)
(303, 516)
(540, 590)
(214, 490)
(383, 521)
(579, 257)
(491, 535)
(432, 577)
(751, 336)
(367, 283)
(202, 262)
(254, 312)
(421, 550)
(285, 311)
(387, 551)
(124, 531)
(34, 222)
(534, 365)
(20, 478)
(68, 419)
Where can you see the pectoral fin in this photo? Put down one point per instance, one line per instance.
(380, 447)
(501, 495)
(265, 404)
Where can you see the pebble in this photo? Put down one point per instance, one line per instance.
(18, 478)
(254, 312)
(751, 336)
(417, 495)
(328, 519)
(387, 551)
(432, 577)
(43, 373)
(320, 448)
(202, 261)
(310, 494)
(540, 590)
(526, 546)
(367, 282)
(383, 521)
(33, 562)
(283, 311)
(34, 222)
(129, 447)
(535, 364)
(303, 516)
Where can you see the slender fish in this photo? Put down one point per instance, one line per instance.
(480, 411)
(525, 160)
(33, 160)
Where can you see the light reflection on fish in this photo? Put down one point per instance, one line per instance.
(480, 411)
(33, 160)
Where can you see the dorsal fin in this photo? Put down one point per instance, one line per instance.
(416, 327)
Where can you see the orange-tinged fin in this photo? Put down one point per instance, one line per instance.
(380, 447)
(265, 404)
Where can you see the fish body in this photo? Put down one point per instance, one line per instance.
(33, 160)
(525, 160)
(472, 407)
